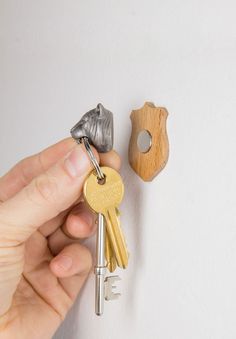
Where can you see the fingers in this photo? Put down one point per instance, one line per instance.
(49, 194)
(50, 226)
(79, 224)
(73, 259)
(45, 197)
(27, 169)
(110, 159)
(59, 282)
(71, 267)
(22, 173)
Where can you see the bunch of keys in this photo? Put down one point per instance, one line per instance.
(103, 191)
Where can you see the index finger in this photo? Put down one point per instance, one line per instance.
(29, 168)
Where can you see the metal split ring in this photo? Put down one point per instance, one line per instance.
(92, 157)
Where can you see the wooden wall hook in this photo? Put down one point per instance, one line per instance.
(147, 164)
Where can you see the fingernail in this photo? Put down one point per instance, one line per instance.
(77, 163)
(63, 262)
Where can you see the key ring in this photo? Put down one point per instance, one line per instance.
(92, 158)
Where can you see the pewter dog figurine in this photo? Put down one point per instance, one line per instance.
(97, 126)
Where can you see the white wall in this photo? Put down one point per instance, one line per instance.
(59, 59)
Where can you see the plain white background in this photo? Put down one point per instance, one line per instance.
(58, 59)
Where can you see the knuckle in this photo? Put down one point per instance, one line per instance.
(46, 188)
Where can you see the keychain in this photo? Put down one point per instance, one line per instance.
(103, 191)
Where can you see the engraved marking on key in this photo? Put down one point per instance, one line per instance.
(105, 199)
(109, 288)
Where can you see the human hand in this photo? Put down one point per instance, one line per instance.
(41, 268)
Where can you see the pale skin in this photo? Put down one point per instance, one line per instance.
(42, 269)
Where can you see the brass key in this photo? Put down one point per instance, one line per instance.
(104, 196)
(109, 254)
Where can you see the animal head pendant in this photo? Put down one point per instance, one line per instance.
(97, 126)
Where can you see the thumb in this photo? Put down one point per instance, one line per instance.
(45, 197)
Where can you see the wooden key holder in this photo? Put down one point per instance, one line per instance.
(149, 146)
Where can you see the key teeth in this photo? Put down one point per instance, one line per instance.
(114, 296)
(109, 287)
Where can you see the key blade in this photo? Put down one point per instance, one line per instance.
(116, 237)
(100, 268)
(109, 287)
(110, 256)
(99, 294)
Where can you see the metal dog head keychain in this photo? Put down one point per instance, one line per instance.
(97, 126)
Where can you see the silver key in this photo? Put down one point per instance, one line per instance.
(104, 287)
(100, 268)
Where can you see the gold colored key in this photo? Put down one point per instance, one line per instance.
(110, 257)
(104, 197)
(109, 253)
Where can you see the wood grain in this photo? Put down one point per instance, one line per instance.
(153, 119)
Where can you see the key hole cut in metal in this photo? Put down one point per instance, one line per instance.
(101, 181)
(144, 141)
